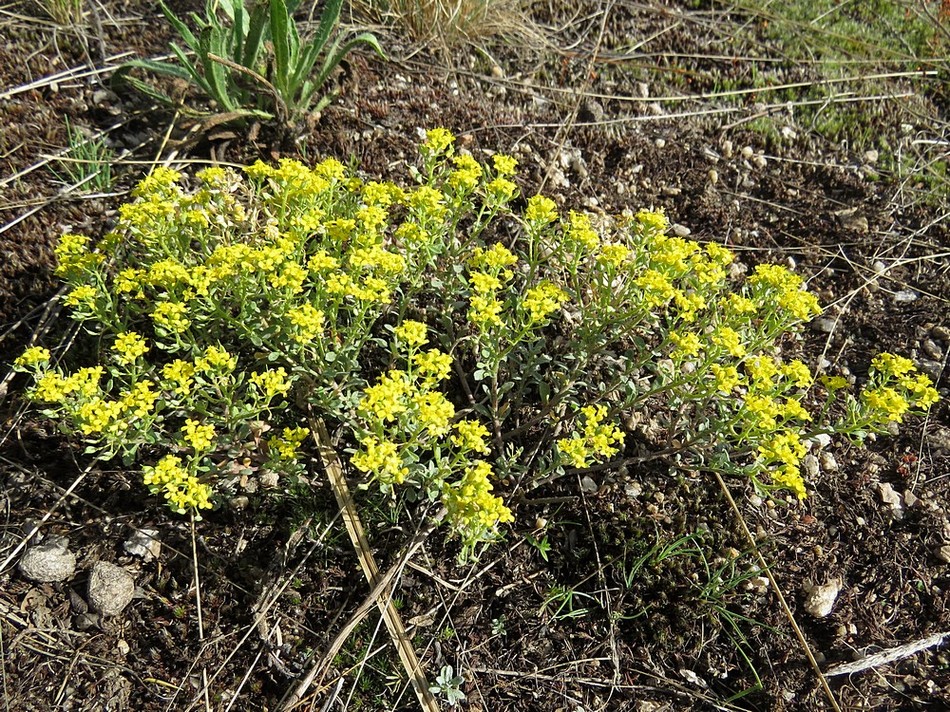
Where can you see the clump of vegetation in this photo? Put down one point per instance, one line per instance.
(254, 64)
(452, 337)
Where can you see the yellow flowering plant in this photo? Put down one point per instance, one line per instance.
(456, 341)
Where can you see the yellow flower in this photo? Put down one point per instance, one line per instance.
(653, 221)
(540, 210)
(613, 255)
(834, 383)
(581, 232)
(575, 450)
(411, 333)
(179, 376)
(726, 377)
(435, 412)
(438, 140)
(272, 382)
(802, 305)
(433, 365)
(52, 388)
(798, 373)
(216, 359)
(139, 400)
(730, 340)
(84, 295)
(32, 356)
(496, 257)
(309, 323)
(789, 477)
(321, 262)
(484, 310)
(286, 446)
(920, 387)
(484, 283)
(98, 415)
(793, 409)
(761, 410)
(172, 316)
(786, 448)
(657, 288)
(892, 365)
(684, 345)
(499, 192)
(761, 369)
(542, 300)
(886, 404)
(471, 506)
(385, 400)
(129, 346)
(504, 165)
(200, 437)
(470, 435)
(467, 174)
(381, 458)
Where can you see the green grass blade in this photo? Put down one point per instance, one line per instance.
(186, 34)
(281, 28)
(257, 25)
(337, 53)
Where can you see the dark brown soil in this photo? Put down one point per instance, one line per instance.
(681, 632)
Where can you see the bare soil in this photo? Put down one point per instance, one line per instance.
(861, 221)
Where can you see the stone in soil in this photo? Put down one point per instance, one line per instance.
(110, 588)
(821, 599)
(49, 561)
(143, 543)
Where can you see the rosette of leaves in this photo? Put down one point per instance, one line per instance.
(251, 62)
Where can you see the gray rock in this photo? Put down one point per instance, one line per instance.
(828, 462)
(943, 553)
(821, 599)
(143, 543)
(110, 588)
(810, 465)
(49, 561)
(932, 350)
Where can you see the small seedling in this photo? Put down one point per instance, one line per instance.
(87, 162)
(542, 545)
(447, 684)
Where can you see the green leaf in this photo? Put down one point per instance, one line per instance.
(337, 53)
(255, 36)
(281, 29)
(182, 29)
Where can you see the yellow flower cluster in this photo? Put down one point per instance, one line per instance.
(272, 382)
(472, 509)
(776, 283)
(183, 491)
(540, 211)
(200, 437)
(412, 333)
(380, 458)
(286, 446)
(33, 356)
(129, 346)
(895, 388)
(308, 322)
(171, 316)
(216, 360)
(74, 257)
(541, 301)
(599, 439)
(470, 436)
(580, 231)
